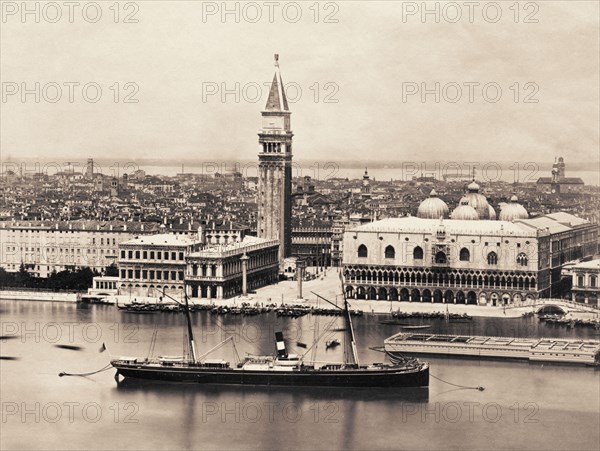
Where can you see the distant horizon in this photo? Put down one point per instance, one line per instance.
(486, 171)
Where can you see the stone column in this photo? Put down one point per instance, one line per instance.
(245, 259)
(300, 265)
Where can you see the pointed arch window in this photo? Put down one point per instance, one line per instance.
(418, 253)
(492, 258)
(390, 252)
(522, 259)
(440, 257)
(465, 255)
(363, 252)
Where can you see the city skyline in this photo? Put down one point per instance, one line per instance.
(348, 104)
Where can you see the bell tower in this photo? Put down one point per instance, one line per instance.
(275, 169)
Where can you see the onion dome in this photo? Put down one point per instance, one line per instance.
(433, 207)
(477, 200)
(492, 213)
(513, 210)
(473, 187)
(464, 211)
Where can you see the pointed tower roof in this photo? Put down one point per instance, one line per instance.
(277, 100)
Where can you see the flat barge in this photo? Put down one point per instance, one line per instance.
(556, 350)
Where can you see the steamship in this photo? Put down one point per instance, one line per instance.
(280, 369)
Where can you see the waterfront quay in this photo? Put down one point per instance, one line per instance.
(327, 285)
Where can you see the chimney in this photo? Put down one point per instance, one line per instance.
(125, 227)
(111, 227)
(142, 227)
(201, 234)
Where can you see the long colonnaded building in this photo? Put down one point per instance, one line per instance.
(466, 259)
(169, 264)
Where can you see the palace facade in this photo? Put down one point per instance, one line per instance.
(467, 260)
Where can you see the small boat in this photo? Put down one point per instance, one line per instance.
(332, 343)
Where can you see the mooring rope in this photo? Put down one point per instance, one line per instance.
(396, 359)
(105, 368)
(480, 388)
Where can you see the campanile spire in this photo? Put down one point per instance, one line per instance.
(275, 169)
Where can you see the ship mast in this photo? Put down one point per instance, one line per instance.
(352, 356)
(188, 318)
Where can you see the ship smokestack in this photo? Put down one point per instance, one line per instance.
(281, 351)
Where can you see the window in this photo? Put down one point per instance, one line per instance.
(465, 255)
(151, 255)
(137, 254)
(593, 282)
(362, 251)
(522, 259)
(181, 256)
(122, 254)
(440, 257)
(159, 255)
(580, 281)
(130, 254)
(145, 255)
(390, 252)
(418, 253)
(173, 255)
(492, 258)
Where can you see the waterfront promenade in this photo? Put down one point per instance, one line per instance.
(329, 287)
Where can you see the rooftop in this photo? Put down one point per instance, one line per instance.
(223, 250)
(592, 264)
(163, 239)
(453, 226)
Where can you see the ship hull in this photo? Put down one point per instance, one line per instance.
(417, 377)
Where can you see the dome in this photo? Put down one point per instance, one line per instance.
(465, 212)
(513, 210)
(473, 187)
(478, 201)
(433, 207)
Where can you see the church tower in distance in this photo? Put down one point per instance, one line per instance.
(274, 219)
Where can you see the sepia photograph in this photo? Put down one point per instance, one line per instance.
(299, 225)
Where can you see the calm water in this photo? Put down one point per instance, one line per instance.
(524, 405)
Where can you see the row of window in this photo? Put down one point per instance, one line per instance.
(153, 255)
(593, 281)
(151, 274)
(440, 257)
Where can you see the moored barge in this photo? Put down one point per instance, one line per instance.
(557, 350)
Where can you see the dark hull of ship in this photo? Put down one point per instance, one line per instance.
(393, 377)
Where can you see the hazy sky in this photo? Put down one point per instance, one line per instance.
(364, 61)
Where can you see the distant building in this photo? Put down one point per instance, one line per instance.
(365, 190)
(585, 277)
(312, 243)
(558, 182)
(47, 246)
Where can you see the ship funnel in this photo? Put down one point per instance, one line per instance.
(281, 351)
